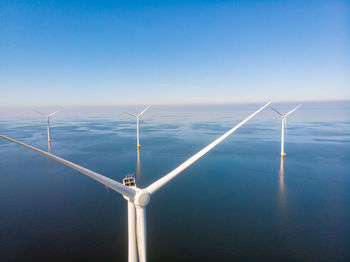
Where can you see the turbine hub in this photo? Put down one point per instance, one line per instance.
(142, 198)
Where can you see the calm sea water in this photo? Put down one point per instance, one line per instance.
(237, 203)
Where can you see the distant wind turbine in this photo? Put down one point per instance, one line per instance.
(138, 198)
(48, 124)
(137, 123)
(284, 126)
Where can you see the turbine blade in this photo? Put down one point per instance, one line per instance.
(291, 111)
(132, 245)
(162, 181)
(55, 112)
(130, 114)
(141, 233)
(144, 111)
(276, 111)
(44, 115)
(112, 184)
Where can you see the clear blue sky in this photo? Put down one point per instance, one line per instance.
(140, 52)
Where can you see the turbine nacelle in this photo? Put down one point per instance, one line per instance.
(129, 181)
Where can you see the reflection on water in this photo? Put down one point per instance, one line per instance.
(281, 173)
(138, 167)
(281, 185)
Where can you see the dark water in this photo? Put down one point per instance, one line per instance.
(235, 204)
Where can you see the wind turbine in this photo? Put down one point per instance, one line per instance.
(137, 123)
(138, 198)
(48, 124)
(284, 126)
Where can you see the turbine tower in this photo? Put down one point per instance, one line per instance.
(138, 198)
(48, 124)
(284, 126)
(137, 124)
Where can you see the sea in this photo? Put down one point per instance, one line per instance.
(239, 202)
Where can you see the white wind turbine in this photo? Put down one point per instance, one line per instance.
(284, 126)
(137, 123)
(138, 198)
(48, 124)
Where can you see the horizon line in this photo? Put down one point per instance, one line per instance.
(173, 104)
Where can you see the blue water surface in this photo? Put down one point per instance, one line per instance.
(239, 202)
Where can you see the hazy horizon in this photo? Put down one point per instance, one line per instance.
(54, 105)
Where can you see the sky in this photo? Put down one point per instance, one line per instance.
(173, 52)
